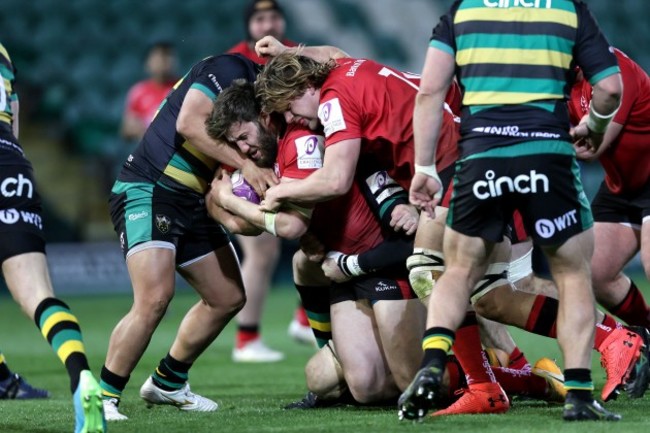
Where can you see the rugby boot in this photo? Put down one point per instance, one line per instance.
(581, 410)
(112, 410)
(421, 394)
(637, 383)
(486, 397)
(15, 387)
(88, 407)
(497, 357)
(619, 354)
(547, 369)
(183, 399)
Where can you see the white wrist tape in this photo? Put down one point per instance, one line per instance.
(598, 123)
(430, 170)
(269, 222)
(349, 264)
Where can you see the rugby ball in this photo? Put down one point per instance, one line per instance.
(243, 189)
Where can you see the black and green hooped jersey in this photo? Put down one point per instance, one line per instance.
(515, 63)
(164, 156)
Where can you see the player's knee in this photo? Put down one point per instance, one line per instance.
(485, 294)
(365, 388)
(152, 308)
(324, 374)
(424, 266)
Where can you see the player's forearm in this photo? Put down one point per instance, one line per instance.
(232, 223)
(286, 224)
(321, 53)
(322, 185)
(427, 120)
(391, 252)
(194, 132)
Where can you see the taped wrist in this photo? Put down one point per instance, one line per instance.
(495, 276)
(597, 122)
(269, 222)
(430, 170)
(425, 267)
(348, 264)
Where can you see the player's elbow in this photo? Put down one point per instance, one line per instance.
(611, 89)
(340, 185)
(185, 126)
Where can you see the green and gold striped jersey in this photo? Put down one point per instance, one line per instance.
(515, 62)
(7, 94)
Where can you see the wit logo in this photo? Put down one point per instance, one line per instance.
(17, 186)
(11, 216)
(546, 228)
(524, 184)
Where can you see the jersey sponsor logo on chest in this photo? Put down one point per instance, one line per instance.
(546, 4)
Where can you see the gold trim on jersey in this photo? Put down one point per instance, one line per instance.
(513, 56)
(528, 15)
(209, 162)
(190, 180)
(499, 98)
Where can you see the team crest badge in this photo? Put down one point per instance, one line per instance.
(163, 223)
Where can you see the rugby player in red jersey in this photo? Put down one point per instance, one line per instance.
(621, 207)
(261, 253)
(376, 319)
(262, 18)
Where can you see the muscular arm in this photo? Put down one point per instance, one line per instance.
(289, 223)
(332, 180)
(232, 223)
(437, 76)
(269, 46)
(190, 123)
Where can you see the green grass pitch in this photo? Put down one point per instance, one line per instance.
(250, 396)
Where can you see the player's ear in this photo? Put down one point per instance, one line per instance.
(265, 119)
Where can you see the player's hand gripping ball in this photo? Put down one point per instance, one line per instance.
(243, 189)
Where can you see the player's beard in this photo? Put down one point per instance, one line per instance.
(268, 147)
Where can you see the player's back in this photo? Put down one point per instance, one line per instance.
(164, 155)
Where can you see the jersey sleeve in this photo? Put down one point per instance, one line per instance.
(219, 72)
(592, 51)
(301, 152)
(631, 89)
(442, 36)
(340, 116)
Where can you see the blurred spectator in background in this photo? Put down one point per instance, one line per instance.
(261, 253)
(145, 96)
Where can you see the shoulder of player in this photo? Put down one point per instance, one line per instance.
(229, 61)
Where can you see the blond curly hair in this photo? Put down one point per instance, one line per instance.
(287, 77)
